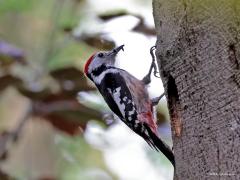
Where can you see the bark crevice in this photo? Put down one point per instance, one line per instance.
(235, 62)
(174, 105)
(233, 55)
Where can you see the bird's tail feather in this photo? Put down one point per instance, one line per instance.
(156, 143)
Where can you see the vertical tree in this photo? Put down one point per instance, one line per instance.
(198, 51)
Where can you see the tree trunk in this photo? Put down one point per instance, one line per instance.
(198, 51)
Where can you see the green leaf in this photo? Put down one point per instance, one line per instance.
(15, 5)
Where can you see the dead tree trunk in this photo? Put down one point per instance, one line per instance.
(198, 51)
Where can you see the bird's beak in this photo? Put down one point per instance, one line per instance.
(116, 50)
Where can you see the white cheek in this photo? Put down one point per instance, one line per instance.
(98, 79)
(94, 64)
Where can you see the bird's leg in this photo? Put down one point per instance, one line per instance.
(147, 78)
(155, 72)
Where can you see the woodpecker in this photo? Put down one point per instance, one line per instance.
(127, 97)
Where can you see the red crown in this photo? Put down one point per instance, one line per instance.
(88, 63)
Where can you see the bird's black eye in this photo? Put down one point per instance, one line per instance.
(100, 55)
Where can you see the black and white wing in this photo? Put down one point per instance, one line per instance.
(118, 97)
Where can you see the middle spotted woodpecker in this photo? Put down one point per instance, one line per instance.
(127, 97)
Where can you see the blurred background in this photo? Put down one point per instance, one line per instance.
(53, 123)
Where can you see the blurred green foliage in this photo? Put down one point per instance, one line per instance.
(15, 6)
(48, 81)
(79, 164)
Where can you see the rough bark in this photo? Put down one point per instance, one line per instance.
(198, 51)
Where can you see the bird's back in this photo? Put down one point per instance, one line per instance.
(141, 97)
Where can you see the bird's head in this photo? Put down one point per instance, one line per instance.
(102, 58)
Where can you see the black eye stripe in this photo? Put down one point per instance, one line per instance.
(100, 55)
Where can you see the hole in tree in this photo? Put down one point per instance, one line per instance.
(172, 90)
(174, 106)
